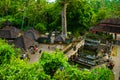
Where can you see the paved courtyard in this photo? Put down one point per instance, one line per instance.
(44, 48)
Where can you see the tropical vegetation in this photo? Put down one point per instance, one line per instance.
(76, 16)
(51, 66)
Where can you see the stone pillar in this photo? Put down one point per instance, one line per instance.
(115, 36)
(52, 38)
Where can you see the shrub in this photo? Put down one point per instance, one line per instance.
(7, 52)
(52, 61)
(40, 27)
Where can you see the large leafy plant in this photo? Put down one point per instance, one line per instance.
(6, 52)
(51, 62)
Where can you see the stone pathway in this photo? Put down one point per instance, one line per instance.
(116, 59)
(116, 69)
(34, 58)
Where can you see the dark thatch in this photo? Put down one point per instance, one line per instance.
(33, 34)
(12, 29)
(108, 25)
(9, 32)
(23, 42)
(5, 34)
(111, 21)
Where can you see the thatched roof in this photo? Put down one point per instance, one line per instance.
(111, 21)
(9, 32)
(5, 34)
(13, 29)
(108, 25)
(23, 42)
(33, 34)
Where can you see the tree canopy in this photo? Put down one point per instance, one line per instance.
(80, 14)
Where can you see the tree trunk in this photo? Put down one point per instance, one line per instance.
(64, 21)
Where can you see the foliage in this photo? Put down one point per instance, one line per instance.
(40, 27)
(100, 36)
(13, 21)
(101, 74)
(19, 70)
(6, 52)
(53, 17)
(71, 73)
(1, 22)
(74, 74)
(81, 16)
(51, 66)
(92, 36)
(105, 9)
(102, 14)
(52, 61)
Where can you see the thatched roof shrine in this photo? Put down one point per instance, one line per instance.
(23, 42)
(33, 34)
(108, 25)
(9, 32)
